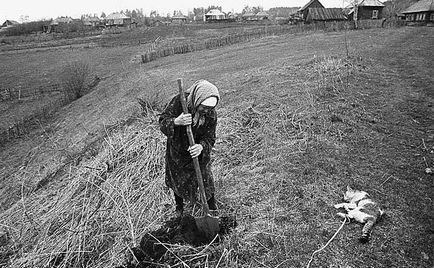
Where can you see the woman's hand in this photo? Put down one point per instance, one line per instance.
(183, 120)
(195, 150)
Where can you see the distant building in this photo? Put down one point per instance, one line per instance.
(61, 20)
(214, 15)
(367, 10)
(262, 15)
(325, 14)
(421, 12)
(58, 24)
(91, 21)
(117, 19)
(179, 19)
(303, 11)
(248, 16)
(9, 23)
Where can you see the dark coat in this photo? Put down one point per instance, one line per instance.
(180, 173)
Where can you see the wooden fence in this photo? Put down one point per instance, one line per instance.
(25, 125)
(8, 94)
(258, 33)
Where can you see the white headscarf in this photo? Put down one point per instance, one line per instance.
(200, 91)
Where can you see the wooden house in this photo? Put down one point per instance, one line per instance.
(325, 14)
(179, 19)
(91, 21)
(59, 24)
(249, 16)
(61, 20)
(367, 10)
(421, 12)
(9, 23)
(117, 19)
(303, 11)
(262, 15)
(214, 15)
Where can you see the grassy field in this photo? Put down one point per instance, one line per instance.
(84, 188)
(34, 68)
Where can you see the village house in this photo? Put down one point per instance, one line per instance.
(9, 23)
(325, 14)
(367, 10)
(248, 16)
(262, 15)
(314, 11)
(303, 11)
(57, 24)
(91, 21)
(117, 19)
(179, 19)
(421, 12)
(214, 15)
(61, 20)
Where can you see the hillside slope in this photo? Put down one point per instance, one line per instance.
(91, 183)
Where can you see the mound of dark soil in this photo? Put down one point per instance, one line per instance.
(182, 231)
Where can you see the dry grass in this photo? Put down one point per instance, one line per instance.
(106, 204)
(111, 199)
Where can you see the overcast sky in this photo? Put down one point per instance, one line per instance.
(40, 9)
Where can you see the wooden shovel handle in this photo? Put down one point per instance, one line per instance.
(195, 160)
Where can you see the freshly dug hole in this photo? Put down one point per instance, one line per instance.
(183, 230)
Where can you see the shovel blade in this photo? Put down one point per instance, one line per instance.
(208, 225)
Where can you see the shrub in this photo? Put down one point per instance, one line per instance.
(73, 77)
(27, 28)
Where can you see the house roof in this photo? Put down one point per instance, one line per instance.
(308, 4)
(262, 14)
(421, 6)
(326, 14)
(116, 16)
(10, 22)
(179, 17)
(61, 20)
(371, 3)
(214, 12)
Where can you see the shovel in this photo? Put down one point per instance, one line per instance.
(207, 224)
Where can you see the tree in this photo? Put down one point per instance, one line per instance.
(153, 14)
(392, 8)
(134, 14)
(24, 18)
(246, 9)
(257, 9)
(103, 15)
(177, 13)
(200, 11)
(212, 7)
(355, 5)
